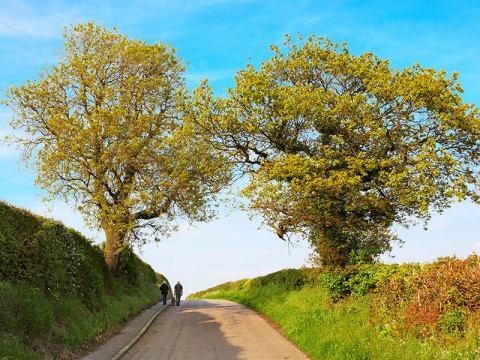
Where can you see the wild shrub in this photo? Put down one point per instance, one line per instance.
(435, 299)
(353, 280)
(336, 282)
(453, 322)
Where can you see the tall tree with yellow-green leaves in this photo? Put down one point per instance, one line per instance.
(341, 148)
(107, 128)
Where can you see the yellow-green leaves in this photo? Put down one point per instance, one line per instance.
(107, 128)
(341, 147)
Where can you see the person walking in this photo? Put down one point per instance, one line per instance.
(178, 292)
(164, 291)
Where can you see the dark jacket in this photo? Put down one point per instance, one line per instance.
(178, 289)
(164, 288)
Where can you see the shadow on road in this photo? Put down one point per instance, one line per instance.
(188, 331)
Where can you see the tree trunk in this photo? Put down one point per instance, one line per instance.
(112, 249)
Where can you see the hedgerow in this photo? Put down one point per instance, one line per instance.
(46, 267)
(439, 300)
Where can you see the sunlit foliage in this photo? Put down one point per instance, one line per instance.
(105, 128)
(340, 147)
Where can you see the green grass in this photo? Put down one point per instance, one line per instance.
(25, 311)
(31, 323)
(348, 329)
(81, 325)
(13, 349)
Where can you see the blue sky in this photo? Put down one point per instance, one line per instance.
(216, 38)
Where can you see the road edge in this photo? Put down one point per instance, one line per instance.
(132, 342)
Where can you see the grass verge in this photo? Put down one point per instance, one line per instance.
(33, 326)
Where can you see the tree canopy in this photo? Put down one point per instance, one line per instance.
(339, 148)
(107, 128)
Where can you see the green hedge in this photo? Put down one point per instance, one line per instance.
(51, 257)
(292, 278)
(46, 267)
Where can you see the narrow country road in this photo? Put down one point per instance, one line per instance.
(209, 330)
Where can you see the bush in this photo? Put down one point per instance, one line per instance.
(452, 323)
(435, 299)
(353, 280)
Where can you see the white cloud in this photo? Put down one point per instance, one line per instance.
(35, 19)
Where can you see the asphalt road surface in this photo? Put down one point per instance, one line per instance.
(210, 330)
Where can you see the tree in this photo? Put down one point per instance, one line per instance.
(340, 148)
(107, 129)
